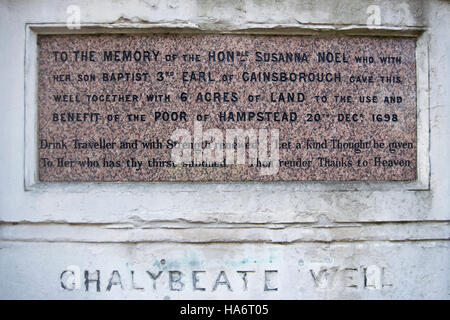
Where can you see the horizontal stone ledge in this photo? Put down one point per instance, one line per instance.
(122, 233)
(218, 204)
(123, 26)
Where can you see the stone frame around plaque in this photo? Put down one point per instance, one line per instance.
(31, 180)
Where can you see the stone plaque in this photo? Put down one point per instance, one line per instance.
(226, 108)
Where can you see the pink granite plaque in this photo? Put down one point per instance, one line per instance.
(226, 108)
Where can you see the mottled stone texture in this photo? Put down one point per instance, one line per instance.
(347, 121)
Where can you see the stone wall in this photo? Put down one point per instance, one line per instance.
(259, 240)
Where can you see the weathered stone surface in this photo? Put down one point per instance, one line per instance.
(46, 228)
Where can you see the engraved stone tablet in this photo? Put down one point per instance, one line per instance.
(226, 108)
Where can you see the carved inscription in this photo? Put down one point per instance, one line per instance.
(370, 277)
(226, 108)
